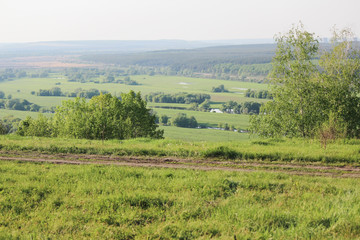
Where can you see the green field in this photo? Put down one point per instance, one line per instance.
(21, 88)
(300, 151)
(209, 135)
(166, 84)
(210, 119)
(43, 201)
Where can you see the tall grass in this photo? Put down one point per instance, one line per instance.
(41, 201)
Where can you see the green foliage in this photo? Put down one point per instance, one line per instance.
(218, 89)
(164, 119)
(9, 74)
(306, 95)
(9, 124)
(55, 91)
(96, 75)
(204, 107)
(79, 92)
(177, 98)
(241, 108)
(41, 127)
(103, 117)
(19, 104)
(3, 130)
(181, 120)
(262, 94)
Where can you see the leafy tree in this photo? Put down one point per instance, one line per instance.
(3, 129)
(105, 117)
(243, 108)
(181, 120)
(2, 95)
(205, 106)
(305, 94)
(220, 88)
(40, 127)
(164, 119)
(340, 78)
(194, 107)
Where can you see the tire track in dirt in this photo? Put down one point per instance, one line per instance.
(177, 163)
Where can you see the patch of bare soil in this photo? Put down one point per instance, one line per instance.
(44, 62)
(178, 163)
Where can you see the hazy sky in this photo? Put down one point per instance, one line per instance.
(48, 20)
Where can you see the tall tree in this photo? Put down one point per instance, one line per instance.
(309, 95)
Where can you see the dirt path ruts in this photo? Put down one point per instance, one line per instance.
(205, 164)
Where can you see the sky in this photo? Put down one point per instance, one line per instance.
(59, 20)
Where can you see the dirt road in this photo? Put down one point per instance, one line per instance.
(202, 164)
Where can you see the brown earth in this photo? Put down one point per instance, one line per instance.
(65, 61)
(177, 163)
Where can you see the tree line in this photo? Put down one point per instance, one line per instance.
(79, 92)
(182, 97)
(19, 104)
(241, 108)
(96, 75)
(11, 74)
(261, 94)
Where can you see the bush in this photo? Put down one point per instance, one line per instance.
(181, 120)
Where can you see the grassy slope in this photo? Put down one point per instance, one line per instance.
(211, 119)
(209, 135)
(303, 151)
(91, 202)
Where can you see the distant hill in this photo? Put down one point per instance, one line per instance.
(192, 58)
(111, 46)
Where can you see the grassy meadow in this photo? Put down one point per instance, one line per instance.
(341, 152)
(47, 201)
(22, 88)
(202, 134)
